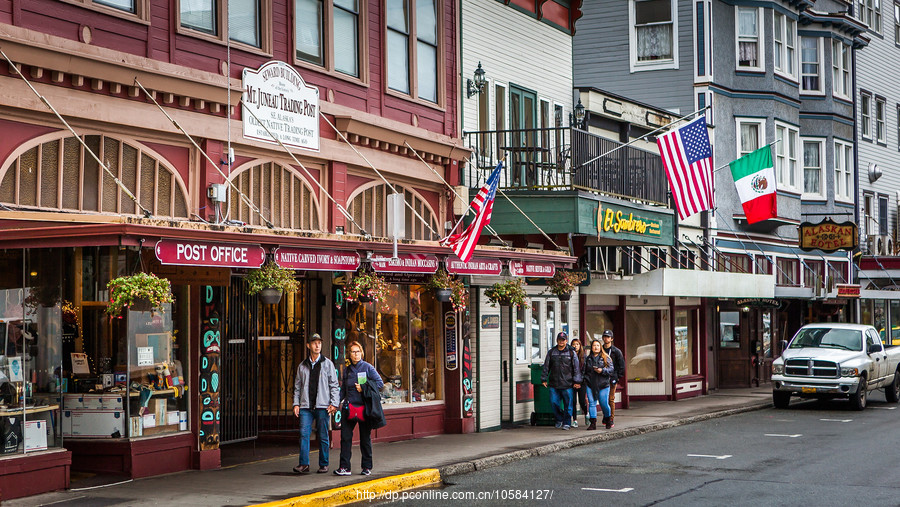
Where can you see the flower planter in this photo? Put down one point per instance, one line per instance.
(505, 302)
(443, 295)
(364, 299)
(141, 305)
(270, 296)
(564, 297)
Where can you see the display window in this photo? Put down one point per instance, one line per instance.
(642, 351)
(685, 342)
(400, 338)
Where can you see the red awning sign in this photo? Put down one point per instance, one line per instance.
(475, 266)
(216, 255)
(407, 263)
(532, 269)
(316, 260)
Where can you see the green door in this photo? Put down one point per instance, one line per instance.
(523, 136)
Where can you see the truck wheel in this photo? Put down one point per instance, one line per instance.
(781, 399)
(892, 392)
(858, 399)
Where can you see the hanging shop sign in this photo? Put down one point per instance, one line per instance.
(828, 236)
(284, 103)
(475, 266)
(759, 303)
(407, 263)
(848, 291)
(623, 222)
(215, 255)
(530, 269)
(316, 260)
(452, 355)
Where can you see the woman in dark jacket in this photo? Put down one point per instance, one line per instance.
(580, 393)
(352, 402)
(598, 370)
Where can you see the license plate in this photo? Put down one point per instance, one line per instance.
(808, 389)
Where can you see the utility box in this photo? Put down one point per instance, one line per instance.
(396, 216)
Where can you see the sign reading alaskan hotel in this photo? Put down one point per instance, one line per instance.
(622, 222)
(283, 102)
(828, 236)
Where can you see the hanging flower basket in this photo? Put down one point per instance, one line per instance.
(140, 292)
(508, 293)
(270, 282)
(564, 282)
(447, 288)
(366, 286)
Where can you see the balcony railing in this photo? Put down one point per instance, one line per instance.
(562, 158)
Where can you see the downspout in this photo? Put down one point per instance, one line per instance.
(854, 273)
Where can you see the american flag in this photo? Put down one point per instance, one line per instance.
(463, 243)
(687, 157)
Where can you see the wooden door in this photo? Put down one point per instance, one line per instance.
(733, 349)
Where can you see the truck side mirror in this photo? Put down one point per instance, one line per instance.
(784, 345)
(873, 348)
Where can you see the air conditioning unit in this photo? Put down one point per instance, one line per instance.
(887, 245)
(875, 244)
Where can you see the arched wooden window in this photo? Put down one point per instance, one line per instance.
(368, 207)
(59, 174)
(283, 196)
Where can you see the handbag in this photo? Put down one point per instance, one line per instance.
(355, 412)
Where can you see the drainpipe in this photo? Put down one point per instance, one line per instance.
(854, 273)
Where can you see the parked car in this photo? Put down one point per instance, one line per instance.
(836, 360)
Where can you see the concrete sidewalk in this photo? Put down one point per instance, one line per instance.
(272, 480)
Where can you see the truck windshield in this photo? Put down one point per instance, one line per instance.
(846, 339)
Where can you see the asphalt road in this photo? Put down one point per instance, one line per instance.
(814, 453)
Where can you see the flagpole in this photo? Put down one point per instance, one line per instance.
(667, 125)
(729, 163)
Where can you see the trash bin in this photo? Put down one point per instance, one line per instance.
(543, 411)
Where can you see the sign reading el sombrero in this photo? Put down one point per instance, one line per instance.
(828, 236)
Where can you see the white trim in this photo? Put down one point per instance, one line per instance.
(760, 41)
(835, 91)
(883, 137)
(636, 66)
(784, 46)
(847, 195)
(782, 151)
(865, 115)
(820, 56)
(821, 142)
(738, 121)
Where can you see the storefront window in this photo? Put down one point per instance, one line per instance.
(535, 331)
(729, 330)
(895, 323)
(767, 334)
(879, 316)
(564, 317)
(521, 352)
(685, 333)
(865, 308)
(597, 321)
(641, 350)
(550, 324)
(405, 339)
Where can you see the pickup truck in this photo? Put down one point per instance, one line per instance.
(836, 360)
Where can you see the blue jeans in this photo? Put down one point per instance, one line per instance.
(604, 402)
(565, 395)
(323, 422)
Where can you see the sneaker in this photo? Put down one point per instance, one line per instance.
(366, 471)
(322, 470)
(566, 427)
(301, 469)
(558, 425)
(609, 425)
(574, 423)
(342, 471)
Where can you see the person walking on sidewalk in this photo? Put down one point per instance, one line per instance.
(598, 372)
(315, 397)
(359, 377)
(618, 360)
(580, 397)
(561, 375)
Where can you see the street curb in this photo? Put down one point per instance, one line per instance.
(373, 489)
(502, 459)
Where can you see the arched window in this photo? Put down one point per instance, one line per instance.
(369, 208)
(59, 174)
(283, 197)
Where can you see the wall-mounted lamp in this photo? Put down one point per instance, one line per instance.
(579, 114)
(477, 86)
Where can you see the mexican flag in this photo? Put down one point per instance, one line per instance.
(754, 177)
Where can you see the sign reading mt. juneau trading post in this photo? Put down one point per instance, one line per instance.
(278, 96)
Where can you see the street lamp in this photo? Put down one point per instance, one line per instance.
(477, 86)
(579, 114)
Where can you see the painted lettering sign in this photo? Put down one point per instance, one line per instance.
(828, 236)
(276, 96)
(339, 341)
(316, 260)
(528, 268)
(468, 397)
(407, 263)
(210, 352)
(848, 291)
(490, 321)
(215, 255)
(475, 266)
(450, 340)
(613, 220)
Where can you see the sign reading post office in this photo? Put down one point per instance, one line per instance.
(280, 99)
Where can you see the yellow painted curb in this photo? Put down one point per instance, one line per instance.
(359, 492)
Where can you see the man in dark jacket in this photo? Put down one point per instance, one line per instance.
(560, 375)
(618, 360)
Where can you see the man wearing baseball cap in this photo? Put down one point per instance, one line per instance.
(618, 361)
(316, 396)
(561, 374)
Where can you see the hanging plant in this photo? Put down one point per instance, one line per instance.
(139, 290)
(368, 286)
(270, 282)
(510, 292)
(564, 282)
(448, 288)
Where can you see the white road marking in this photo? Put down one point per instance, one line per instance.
(623, 490)
(724, 456)
(787, 436)
(885, 408)
(837, 420)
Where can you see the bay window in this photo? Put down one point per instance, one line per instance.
(749, 50)
(840, 63)
(843, 171)
(785, 45)
(812, 168)
(810, 64)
